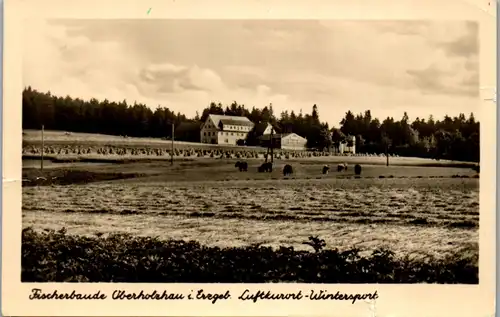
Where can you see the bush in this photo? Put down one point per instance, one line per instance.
(54, 256)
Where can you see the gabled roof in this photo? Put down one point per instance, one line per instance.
(262, 126)
(230, 120)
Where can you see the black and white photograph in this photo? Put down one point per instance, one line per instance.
(250, 151)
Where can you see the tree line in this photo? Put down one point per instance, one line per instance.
(451, 138)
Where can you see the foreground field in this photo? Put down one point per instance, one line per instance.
(414, 211)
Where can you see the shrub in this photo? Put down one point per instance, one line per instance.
(316, 243)
(54, 256)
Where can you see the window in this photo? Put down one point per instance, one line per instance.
(226, 140)
(204, 133)
(231, 133)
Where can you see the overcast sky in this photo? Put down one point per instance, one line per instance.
(388, 67)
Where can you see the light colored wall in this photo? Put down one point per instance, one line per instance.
(227, 137)
(208, 132)
(207, 135)
(343, 148)
(293, 142)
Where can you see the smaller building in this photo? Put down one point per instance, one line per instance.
(348, 145)
(284, 141)
(264, 128)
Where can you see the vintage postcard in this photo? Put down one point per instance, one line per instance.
(256, 158)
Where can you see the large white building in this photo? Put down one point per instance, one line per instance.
(220, 129)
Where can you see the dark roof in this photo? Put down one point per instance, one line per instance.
(268, 136)
(216, 119)
(262, 126)
(236, 122)
(278, 136)
(188, 125)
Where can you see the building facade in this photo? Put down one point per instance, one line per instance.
(285, 141)
(220, 129)
(292, 141)
(348, 145)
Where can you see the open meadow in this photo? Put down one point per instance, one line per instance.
(420, 211)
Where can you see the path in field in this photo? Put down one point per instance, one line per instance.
(416, 216)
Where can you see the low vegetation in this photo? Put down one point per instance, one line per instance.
(54, 256)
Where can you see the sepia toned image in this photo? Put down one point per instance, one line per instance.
(250, 151)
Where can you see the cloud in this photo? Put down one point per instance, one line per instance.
(168, 78)
(455, 39)
(466, 45)
(435, 80)
(448, 76)
(451, 64)
(421, 67)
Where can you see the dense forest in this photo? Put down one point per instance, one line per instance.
(454, 138)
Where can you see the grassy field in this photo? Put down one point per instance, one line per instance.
(415, 208)
(34, 137)
(434, 211)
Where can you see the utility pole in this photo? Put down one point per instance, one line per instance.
(43, 145)
(387, 142)
(172, 155)
(387, 154)
(271, 144)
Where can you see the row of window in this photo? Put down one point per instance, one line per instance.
(230, 127)
(226, 133)
(233, 133)
(292, 141)
(245, 128)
